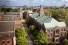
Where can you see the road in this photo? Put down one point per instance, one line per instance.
(29, 35)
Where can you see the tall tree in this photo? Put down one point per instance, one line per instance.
(20, 37)
(41, 39)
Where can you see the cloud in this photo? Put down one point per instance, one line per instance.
(34, 2)
(65, 1)
(8, 0)
(42, 0)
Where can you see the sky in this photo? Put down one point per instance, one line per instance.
(34, 2)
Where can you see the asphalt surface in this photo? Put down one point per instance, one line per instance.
(29, 35)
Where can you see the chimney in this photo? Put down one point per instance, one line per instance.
(41, 12)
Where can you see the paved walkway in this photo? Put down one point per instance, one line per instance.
(29, 35)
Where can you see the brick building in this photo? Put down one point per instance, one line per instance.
(8, 23)
(7, 33)
(55, 31)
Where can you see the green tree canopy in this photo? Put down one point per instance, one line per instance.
(40, 38)
(32, 28)
(64, 42)
(60, 14)
(20, 32)
(20, 36)
(21, 41)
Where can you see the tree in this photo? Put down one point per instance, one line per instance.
(53, 43)
(60, 15)
(64, 42)
(21, 41)
(41, 39)
(20, 37)
(47, 12)
(20, 32)
(6, 9)
(32, 28)
(35, 33)
(16, 9)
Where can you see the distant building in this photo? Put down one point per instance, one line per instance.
(12, 16)
(55, 31)
(12, 13)
(1, 13)
(26, 13)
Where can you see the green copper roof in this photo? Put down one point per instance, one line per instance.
(60, 24)
(34, 15)
(42, 18)
(47, 21)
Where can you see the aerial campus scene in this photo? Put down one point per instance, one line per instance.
(33, 22)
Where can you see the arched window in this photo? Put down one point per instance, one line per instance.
(57, 31)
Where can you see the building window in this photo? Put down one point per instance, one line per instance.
(64, 29)
(51, 30)
(8, 18)
(3, 41)
(50, 40)
(57, 31)
(57, 40)
(8, 41)
(48, 30)
(51, 35)
(8, 34)
(61, 34)
(4, 18)
(12, 17)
